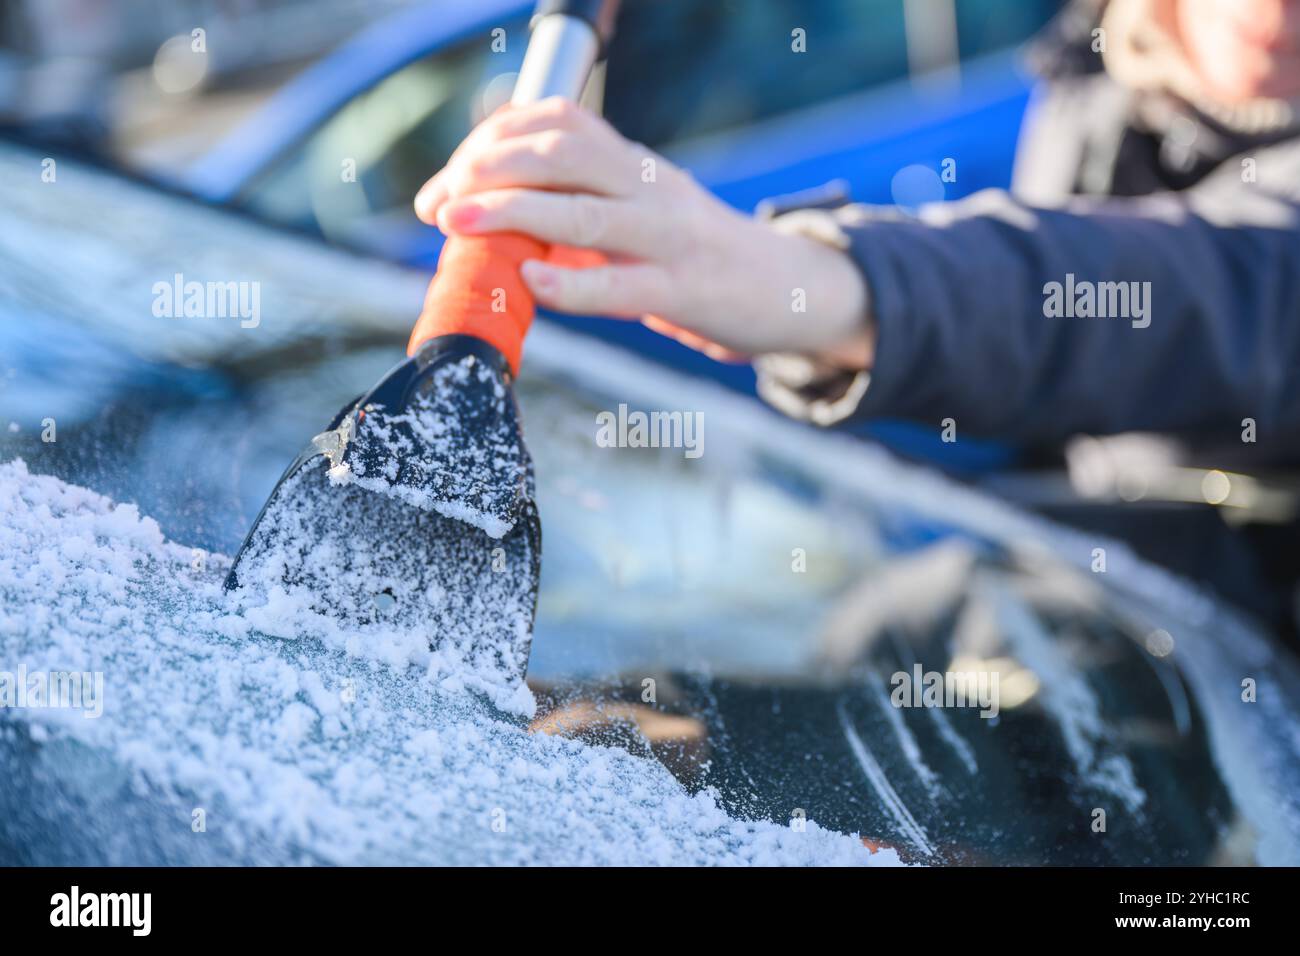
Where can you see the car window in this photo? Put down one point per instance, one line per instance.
(987, 25)
(681, 68)
(677, 69)
(387, 140)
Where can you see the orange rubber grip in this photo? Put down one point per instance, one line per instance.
(477, 291)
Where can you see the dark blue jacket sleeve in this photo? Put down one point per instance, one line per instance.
(968, 327)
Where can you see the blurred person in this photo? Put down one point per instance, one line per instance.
(1143, 274)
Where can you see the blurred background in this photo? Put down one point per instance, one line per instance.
(252, 102)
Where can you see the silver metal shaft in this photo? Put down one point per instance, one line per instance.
(561, 52)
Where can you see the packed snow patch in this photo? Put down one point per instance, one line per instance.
(219, 743)
(409, 531)
(456, 448)
(373, 576)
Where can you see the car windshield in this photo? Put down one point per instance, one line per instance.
(738, 619)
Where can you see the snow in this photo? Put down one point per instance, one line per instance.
(879, 782)
(239, 734)
(1074, 705)
(370, 544)
(456, 449)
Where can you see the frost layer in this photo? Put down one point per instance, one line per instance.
(411, 525)
(290, 750)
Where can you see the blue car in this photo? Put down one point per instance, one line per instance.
(759, 98)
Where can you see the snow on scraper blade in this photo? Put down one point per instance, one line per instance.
(414, 512)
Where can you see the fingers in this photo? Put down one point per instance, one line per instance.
(551, 159)
(555, 112)
(619, 291)
(551, 145)
(507, 121)
(572, 219)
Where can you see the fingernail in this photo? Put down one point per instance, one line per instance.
(463, 216)
(538, 275)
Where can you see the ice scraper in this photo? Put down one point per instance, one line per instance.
(413, 512)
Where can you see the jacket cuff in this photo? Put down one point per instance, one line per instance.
(799, 385)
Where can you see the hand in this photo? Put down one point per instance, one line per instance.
(672, 254)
